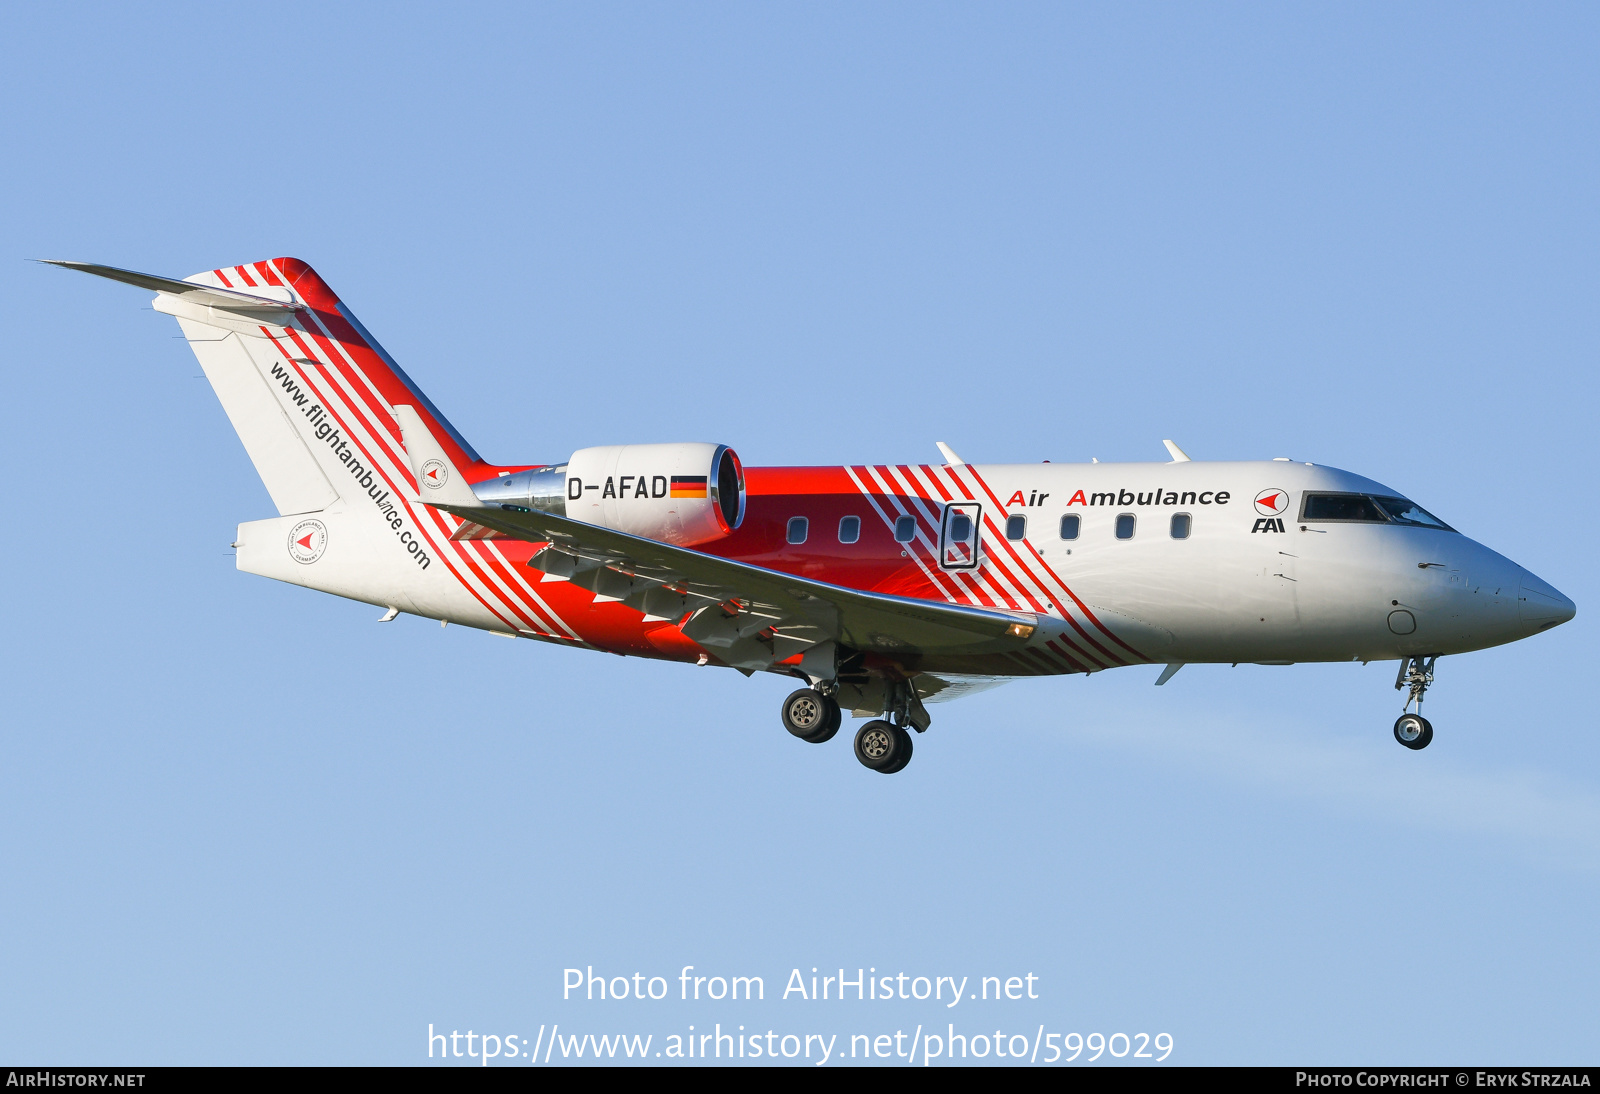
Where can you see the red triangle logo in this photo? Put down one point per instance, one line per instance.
(305, 540)
(434, 473)
(1271, 501)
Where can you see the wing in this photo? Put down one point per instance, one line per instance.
(752, 617)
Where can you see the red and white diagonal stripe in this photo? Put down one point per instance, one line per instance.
(351, 398)
(1013, 574)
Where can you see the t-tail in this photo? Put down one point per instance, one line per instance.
(312, 396)
(276, 342)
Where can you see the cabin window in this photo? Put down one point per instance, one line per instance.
(1017, 527)
(1069, 526)
(849, 529)
(1124, 525)
(798, 526)
(1180, 526)
(905, 529)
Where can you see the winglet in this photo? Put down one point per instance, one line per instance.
(1170, 671)
(1178, 454)
(949, 455)
(438, 481)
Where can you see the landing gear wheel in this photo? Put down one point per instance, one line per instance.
(905, 755)
(883, 747)
(811, 715)
(1413, 730)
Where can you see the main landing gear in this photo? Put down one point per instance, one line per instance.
(1412, 729)
(882, 745)
(811, 715)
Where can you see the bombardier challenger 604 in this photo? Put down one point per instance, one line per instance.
(878, 588)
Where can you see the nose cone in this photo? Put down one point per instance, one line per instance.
(1541, 606)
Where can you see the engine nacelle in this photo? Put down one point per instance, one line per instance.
(677, 493)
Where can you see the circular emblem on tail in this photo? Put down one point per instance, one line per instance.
(1272, 503)
(307, 541)
(435, 474)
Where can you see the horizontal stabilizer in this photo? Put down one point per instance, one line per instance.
(265, 298)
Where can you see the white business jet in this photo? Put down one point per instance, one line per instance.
(878, 588)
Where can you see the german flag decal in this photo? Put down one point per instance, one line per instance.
(688, 486)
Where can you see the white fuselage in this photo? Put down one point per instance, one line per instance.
(1236, 588)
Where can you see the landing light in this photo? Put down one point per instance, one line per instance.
(1020, 630)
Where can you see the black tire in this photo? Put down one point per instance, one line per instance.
(1413, 730)
(905, 755)
(882, 747)
(835, 720)
(811, 715)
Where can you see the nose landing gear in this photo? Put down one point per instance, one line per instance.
(1413, 730)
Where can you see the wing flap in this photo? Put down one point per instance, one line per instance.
(757, 615)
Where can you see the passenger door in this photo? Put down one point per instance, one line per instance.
(958, 535)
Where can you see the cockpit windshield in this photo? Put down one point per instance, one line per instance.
(1402, 511)
(1367, 509)
(1356, 507)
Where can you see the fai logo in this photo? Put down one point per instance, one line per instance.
(1272, 503)
(434, 474)
(307, 541)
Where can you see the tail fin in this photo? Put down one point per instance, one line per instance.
(309, 391)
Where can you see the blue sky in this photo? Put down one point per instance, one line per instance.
(239, 822)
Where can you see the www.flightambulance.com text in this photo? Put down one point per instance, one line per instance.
(753, 1042)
